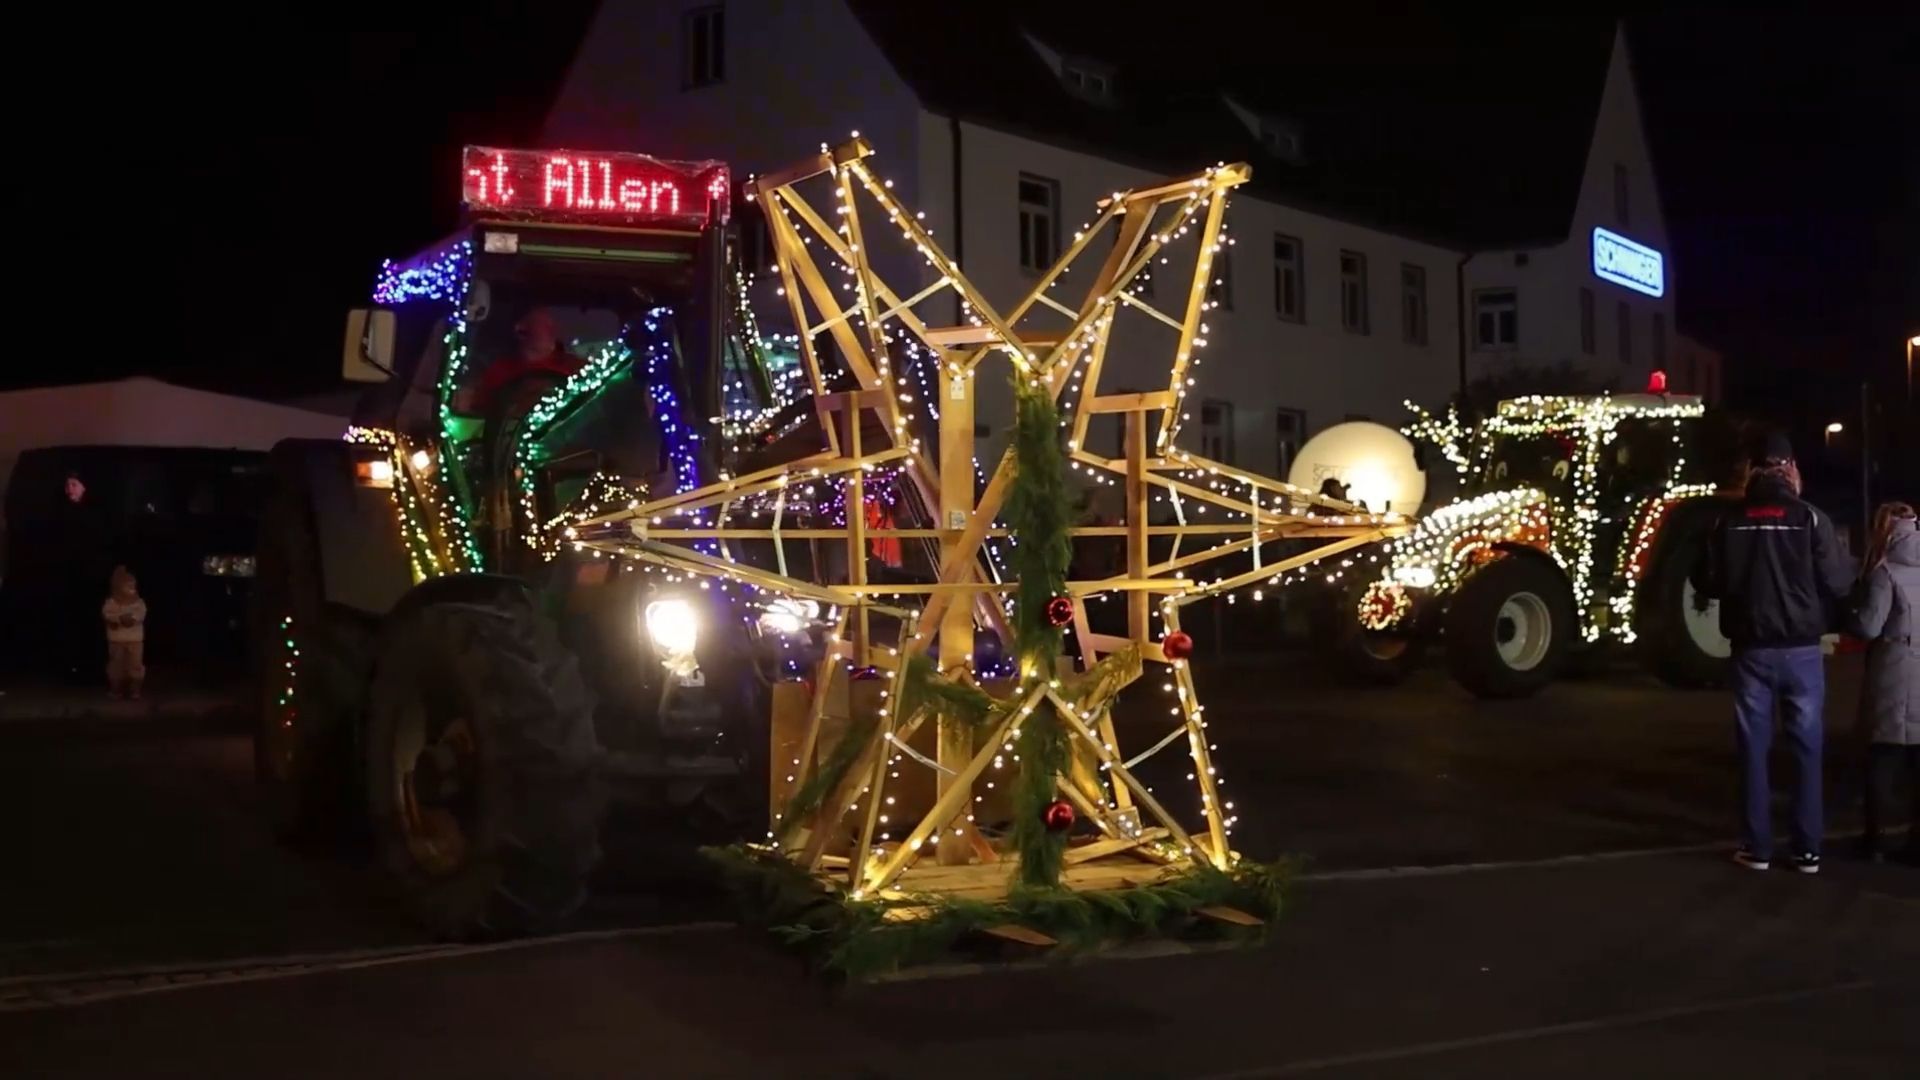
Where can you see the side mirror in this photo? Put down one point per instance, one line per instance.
(367, 353)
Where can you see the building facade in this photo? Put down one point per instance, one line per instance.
(1335, 301)
(1545, 304)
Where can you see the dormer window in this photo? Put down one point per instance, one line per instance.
(1084, 78)
(1087, 81)
(1279, 136)
(1280, 141)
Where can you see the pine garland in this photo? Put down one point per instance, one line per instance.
(923, 688)
(809, 795)
(856, 939)
(1038, 513)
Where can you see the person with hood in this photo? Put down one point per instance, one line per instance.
(1887, 615)
(1777, 571)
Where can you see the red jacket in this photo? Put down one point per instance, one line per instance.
(505, 371)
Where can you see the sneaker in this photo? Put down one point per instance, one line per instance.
(1807, 862)
(1751, 861)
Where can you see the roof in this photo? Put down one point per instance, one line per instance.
(1471, 132)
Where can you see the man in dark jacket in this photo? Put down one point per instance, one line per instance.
(1777, 571)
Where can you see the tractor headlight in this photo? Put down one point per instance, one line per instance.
(674, 628)
(787, 617)
(1415, 577)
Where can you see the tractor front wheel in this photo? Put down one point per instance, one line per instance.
(1509, 627)
(1370, 657)
(482, 768)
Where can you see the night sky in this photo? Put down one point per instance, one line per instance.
(272, 180)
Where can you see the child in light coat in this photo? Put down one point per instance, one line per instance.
(125, 615)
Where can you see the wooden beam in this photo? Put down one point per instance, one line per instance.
(1117, 403)
(1196, 307)
(1202, 758)
(954, 745)
(809, 167)
(1119, 769)
(950, 804)
(949, 337)
(1220, 176)
(1136, 520)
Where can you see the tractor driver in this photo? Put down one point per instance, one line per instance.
(537, 351)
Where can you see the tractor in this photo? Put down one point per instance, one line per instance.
(1578, 525)
(433, 667)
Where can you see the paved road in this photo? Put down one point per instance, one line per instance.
(1650, 966)
(134, 843)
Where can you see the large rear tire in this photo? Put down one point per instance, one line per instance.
(1678, 631)
(482, 768)
(1509, 627)
(310, 664)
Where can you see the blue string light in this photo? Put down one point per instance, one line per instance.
(436, 275)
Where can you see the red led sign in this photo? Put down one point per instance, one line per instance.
(572, 185)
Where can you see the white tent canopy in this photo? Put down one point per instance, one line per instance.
(147, 412)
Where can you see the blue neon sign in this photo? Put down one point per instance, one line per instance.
(1623, 262)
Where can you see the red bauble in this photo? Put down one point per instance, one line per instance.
(1058, 815)
(1177, 645)
(1060, 610)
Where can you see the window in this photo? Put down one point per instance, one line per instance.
(1620, 207)
(1088, 83)
(1496, 319)
(1289, 278)
(1660, 340)
(1586, 321)
(703, 46)
(1280, 140)
(1623, 329)
(1353, 292)
(1039, 222)
(1221, 289)
(1413, 304)
(1289, 431)
(1216, 431)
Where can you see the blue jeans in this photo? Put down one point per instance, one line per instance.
(1794, 680)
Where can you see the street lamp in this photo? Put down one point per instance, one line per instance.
(1913, 343)
(1836, 428)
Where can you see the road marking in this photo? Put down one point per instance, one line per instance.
(1545, 1031)
(1150, 949)
(1446, 869)
(89, 987)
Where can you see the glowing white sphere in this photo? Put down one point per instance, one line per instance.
(1373, 460)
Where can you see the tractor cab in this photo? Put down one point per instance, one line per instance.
(578, 324)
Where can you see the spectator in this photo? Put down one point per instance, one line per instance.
(1887, 614)
(81, 541)
(1776, 570)
(125, 616)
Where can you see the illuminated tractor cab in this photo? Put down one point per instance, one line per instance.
(1579, 527)
(438, 663)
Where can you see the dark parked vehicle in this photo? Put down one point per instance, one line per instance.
(183, 520)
